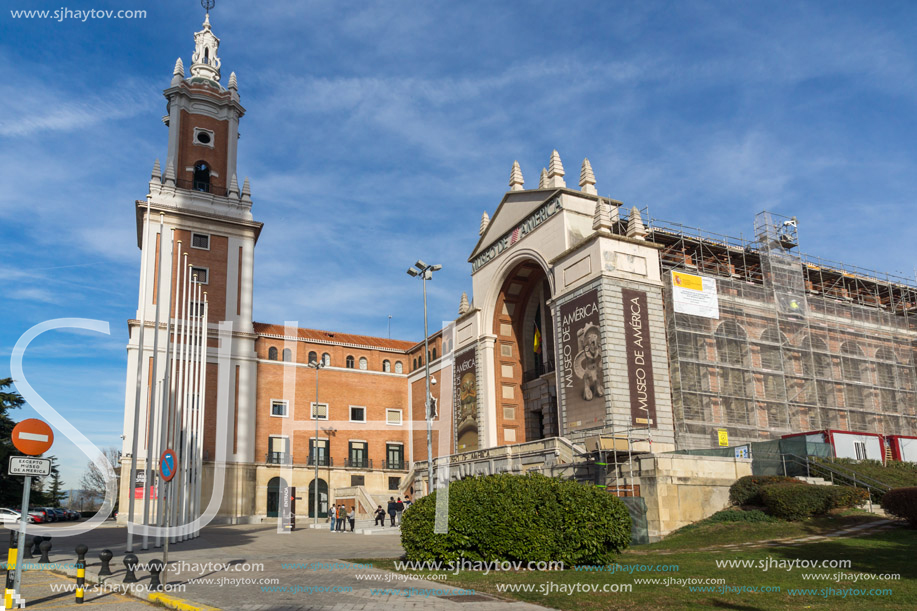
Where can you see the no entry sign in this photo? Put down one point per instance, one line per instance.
(33, 437)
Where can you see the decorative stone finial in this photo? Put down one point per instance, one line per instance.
(205, 62)
(516, 182)
(543, 179)
(464, 306)
(485, 221)
(233, 83)
(246, 191)
(179, 68)
(635, 227)
(170, 175)
(587, 178)
(157, 172)
(601, 219)
(556, 171)
(233, 187)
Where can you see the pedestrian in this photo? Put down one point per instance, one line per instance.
(352, 517)
(342, 516)
(380, 517)
(399, 510)
(407, 502)
(391, 509)
(333, 515)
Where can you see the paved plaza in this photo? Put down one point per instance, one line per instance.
(233, 567)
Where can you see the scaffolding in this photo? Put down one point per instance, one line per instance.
(801, 344)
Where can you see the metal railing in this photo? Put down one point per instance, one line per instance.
(390, 465)
(363, 463)
(279, 458)
(834, 472)
(323, 461)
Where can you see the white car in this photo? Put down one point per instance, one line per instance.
(11, 516)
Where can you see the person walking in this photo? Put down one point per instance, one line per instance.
(407, 502)
(352, 517)
(391, 509)
(399, 511)
(333, 515)
(380, 517)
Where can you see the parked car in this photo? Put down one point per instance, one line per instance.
(59, 514)
(9, 516)
(73, 515)
(46, 516)
(36, 517)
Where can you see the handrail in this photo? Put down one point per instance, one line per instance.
(837, 467)
(853, 476)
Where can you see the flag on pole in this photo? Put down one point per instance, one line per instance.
(537, 343)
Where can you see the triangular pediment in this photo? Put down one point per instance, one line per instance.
(515, 207)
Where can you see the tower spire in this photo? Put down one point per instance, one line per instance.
(205, 63)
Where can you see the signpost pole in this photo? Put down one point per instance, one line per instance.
(23, 518)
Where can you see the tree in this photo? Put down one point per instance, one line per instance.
(10, 485)
(55, 494)
(93, 482)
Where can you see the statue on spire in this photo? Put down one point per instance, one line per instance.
(205, 62)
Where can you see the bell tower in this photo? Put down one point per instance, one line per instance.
(195, 196)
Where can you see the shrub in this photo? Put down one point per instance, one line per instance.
(733, 516)
(747, 490)
(797, 502)
(902, 503)
(519, 518)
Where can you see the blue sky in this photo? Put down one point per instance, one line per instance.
(377, 133)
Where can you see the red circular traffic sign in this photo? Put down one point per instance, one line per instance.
(33, 437)
(168, 465)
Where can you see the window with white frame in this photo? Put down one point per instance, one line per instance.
(280, 408)
(387, 366)
(326, 359)
(202, 273)
(319, 411)
(399, 368)
(200, 240)
(364, 364)
(393, 417)
(357, 413)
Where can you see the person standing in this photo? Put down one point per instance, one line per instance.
(352, 517)
(333, 515)
(380, 517)
(342, 516)
(391, 509)
(407, 502)
(399, 511)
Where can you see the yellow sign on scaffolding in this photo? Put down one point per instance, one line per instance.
(723, 435)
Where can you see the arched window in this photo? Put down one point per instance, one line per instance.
(434, 354)
(313, 357)
(287, 355)
(398, 367)
(852, 364)
(349, 362)
(272, 354)
(326, 359)
(772, 341)
(201, 177)
(387, 366)
(730, 344)
(415, 364)
(364, 364)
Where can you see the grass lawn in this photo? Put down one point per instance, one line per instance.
(890, 551)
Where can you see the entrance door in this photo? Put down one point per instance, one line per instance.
(322, 499)
(273, 496)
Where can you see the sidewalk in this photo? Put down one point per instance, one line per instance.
(38, 589)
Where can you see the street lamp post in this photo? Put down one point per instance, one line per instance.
(316, 365)
(426, 273)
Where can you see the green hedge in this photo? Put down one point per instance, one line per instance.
(902, 503)
(519, 518)
(733, 515)
(747, 490)
(802, 501)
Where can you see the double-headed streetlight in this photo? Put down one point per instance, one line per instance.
(316, 365)
(426, 273)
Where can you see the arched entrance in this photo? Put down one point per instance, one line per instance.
(524, 356)
(274, 488)
(322, 499)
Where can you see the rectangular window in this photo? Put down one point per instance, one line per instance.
(394, 454)
(860, 448)
(280, 408)
(357, 480)
(356, 453)
(357, 414)
(319, 411)
(318, 450)
(202, 273)
(200, 240)
(393, 417)
(278, 450)
(394, 483)
(195, 309)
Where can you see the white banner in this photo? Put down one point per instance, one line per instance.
(695, 295)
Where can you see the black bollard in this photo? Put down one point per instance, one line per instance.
(36, 541)
(27, 554)
(80, 571)
(45, 547)
(130, 563)
(105, 556)
(155, 570)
